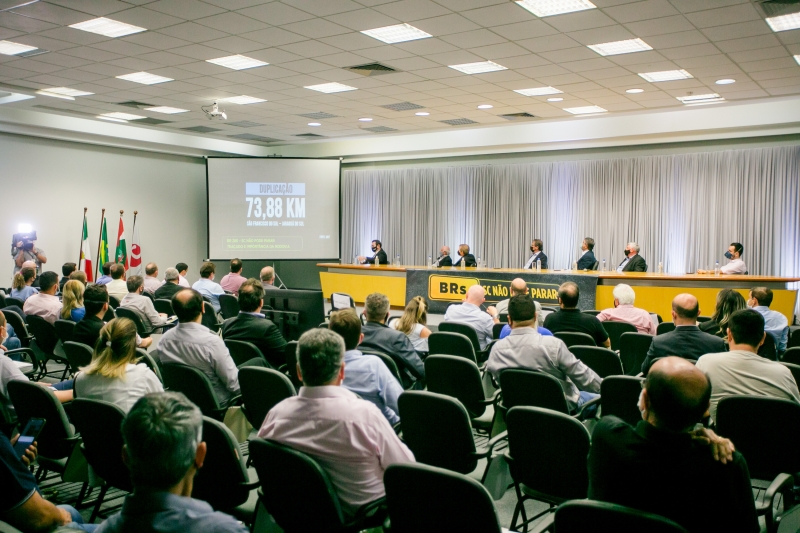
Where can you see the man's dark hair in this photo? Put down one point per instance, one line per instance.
(521, 308)
(187, 304)
(689, 313)
(134, 282)
(236, 265)
(379, 243)
(151, 269)
(737, 247)
(47, 280)
(207, 269)
(107, 268)
(319, 353)
(68, 268)
(539, 244)
(669, 402)
(747, 327)
(347, 324)
(180, 267)
(251, 293)
(117, 271)
(589, 243)
(569, 294)
(94, 297)
(763, 295)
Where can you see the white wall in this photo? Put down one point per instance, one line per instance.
(47, 183)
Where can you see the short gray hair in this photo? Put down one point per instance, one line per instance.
(376, 305)
(634, 246)
(267, 273)
(171, 273)
(161, 433)
(624, 293)
(320, 353)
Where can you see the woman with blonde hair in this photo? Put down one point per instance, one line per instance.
(413, 323)
(72, 298)
(113, 376)
(21, 286)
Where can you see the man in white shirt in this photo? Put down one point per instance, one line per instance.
(142, 304)
(182, 269)
(206, 285)
(741, 370)
(151, 282)
(775, 323)
(45, 304)
(118, 286)
(736, 265)
(349, 437)
(470, 313)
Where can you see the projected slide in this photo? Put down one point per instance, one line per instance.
(273, 208)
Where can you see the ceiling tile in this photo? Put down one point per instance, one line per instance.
(696, 50)
(460, 5)
(426, 46)
(52, 13)
(790, 37)
(232, 23)
(98, 8)
(673, 40)
(524, 61)
(605, 34)
(445, 25)
(736, 31)
(276, 13)
(146, 18)
(689, 6)
(46, 43)
(310, 48)
(306, 66)
(411, 10)
(316, 28)
(185, 9)
(71, 35)
(585, 65)
(385, 53)
(165, 58)
(122, 47)
(134, 64)
(648, 9)
(198, 51)
(25, 24)
(505, 13)
(703, 61)
(457, 57)
(569, 54)
(723, 16)
(155, 40)
(234, 45)
(547, 44)
(326, 8)
(92, 54)
(757, 55)
(524, 30)
(273, 37)
(748, 43)
(660, 26)
(500, 51)
(363, 19)
(581, 20)
(473, 38)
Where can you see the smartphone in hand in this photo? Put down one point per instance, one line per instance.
(31, 432)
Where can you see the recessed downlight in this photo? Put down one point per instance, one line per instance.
(399, 33)
(329, 88)
(11, 48)
(726, 81)
(144, 78)
(365, 119)
(422, 113)
(108, 27)
(480, 67)
(315, 124)
(485, 106)
(556, 99)
(634, 91)
(237, 62)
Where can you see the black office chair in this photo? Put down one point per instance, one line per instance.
(451, 343)
(197, 388)
(164, 306)
(8, 419)
(44, 343)
(460, 378)
(423, 509)
(768, 350)
(148, 294)
(109, 315)
(228, 305)
(14, 301)
(795, 370)
(575, 338)
(503, 318)
(133, 316)
(79, 355)
(497, 329)
(342, 299)
(243, 351)
(702, 319)
(20, 328)
(296, 484)
(794, 338)
(602, 360)
(550, 309)
(792, 355)
(593, 312)
(150, 362)
(616, 329)
(547, 458)
(387, 360)
(665, 327)
(619, 396)
(579, 516)
(210, 319)
(290, 368)
(471, 334)
(113, 302)
(595, 265)
(633, 349)
(531, 388)
(262, 389)
(64, 330)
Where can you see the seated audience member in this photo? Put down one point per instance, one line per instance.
(45, 303)
(206, 286)
(79, 275)
(570, 318)
(633, 262)
(528, 350)
(113, 375)
(234, 279)
(267, 276)
(741, 370)
(349, 437)
(66, 270)
(251, 325)
(163, 451)
(736, 264)
(10, 341)
(624, 311)
(22, 287)
(118, 286)
(775, 323)
(586, 260)
(87, 331)
(22, 505)
(72, 300)
(518, 286)
(364, 374)
(106, 277)
(728, 302)
(465, 259)
(413, 324)
(470, 313)
(662, 466)
(378, 336)
(170, 286)
(151, 282)
(506, 331)
(686, 340)
(143, 305)
(183, 269)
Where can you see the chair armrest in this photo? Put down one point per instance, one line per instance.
(493, 400)
(487, 451)
(27, 351)
(369, 509)
(767, 505)
(546, 524)
(236, 400)
(398, 428)
(579, 414)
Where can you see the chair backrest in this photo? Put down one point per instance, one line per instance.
(703, 318)
(593, 312)
(291, 364)
(795, 370)
(44, 333)
(78, 354)
(262, 389)
(451, 343)
(665, 327)
(530, 388)
(768, 350)
(794, 338)
(619, 396)
(633, 349)
(595, 266)
(15, 301)
(792, 355)
(547, 452)
(341, 300)
(585, 515)
(151, 363)
(464, 329)
(575, 338)
(164, 306)
(110, 314)
(34, 401)
(228, 306)
(457, 377)
(766, 432)
(64, 329)
(193, 383)
(615, 330)
(243, 351)
(99, 424)
(113, 301)
(20, 328)
(437, 430)
(426, 499)
(148, 294)
(387, 360)
(222, 482)
(602, 360)
(132, 314)
(296, 485)
(497, 329)
(209, 319)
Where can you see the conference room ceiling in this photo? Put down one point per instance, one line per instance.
(312, 42)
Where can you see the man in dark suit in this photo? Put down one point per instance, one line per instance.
(377, 249)
(252, 326)
(444, 259)
(464, 256)
(587, 260)
(170, 286)
(633, 262)
(570, 318)
(686, 340)
(537, 254)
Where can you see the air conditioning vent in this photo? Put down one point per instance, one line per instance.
(201, 129)
(371, 69)
(774, 8)
(318, 116)
(518, 116)
(402, 106)
(244, 124)
(380, 129)
(458, 121)
(309, 135)
(135, 104)
(251, 137)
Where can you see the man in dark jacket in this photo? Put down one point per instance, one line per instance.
(252, 326)
(170, 287)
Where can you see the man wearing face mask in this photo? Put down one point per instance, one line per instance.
(736, 266)
(633, 262)
(536, 254)
(377, 250)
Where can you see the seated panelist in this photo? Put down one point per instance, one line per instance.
(377, 250)
(467, 258)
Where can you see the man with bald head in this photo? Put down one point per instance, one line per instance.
(663, 466)
(470, 313)
(570, 318)
(444, 259)
(686, 340)
(518, 286)
(268, 278)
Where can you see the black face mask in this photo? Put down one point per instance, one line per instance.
(729, 255)
(532, 250)
(374, 249)
(627, 253)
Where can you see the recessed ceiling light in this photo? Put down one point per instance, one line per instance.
(620, 47)
(797, 58)
(314, 124)
(399, 33)
(243, 100)
(332, 87)
(166, 109)
(538, 91)
(666, 75)
(237, 62)
(107, 27)
(10, 48)
(481, 67)
(634, 91)
(545, 8)
(696, 98)
(485, 106)
(55, 95)
(365, 119)
(554, 99)
(121, 116)
(585, 110)
(422, 113)
(784, 22)
(726, 81)
(64, 91)
(145, 78)
(112, 119)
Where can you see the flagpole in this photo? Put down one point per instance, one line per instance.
(99, 241)
(134, 220)
(116, 249)
(80, 254)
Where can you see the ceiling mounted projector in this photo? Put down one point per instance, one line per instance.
(214, 112)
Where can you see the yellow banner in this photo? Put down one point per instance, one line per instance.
(454, 288)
